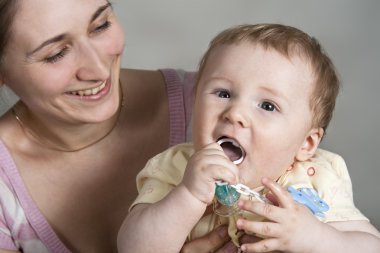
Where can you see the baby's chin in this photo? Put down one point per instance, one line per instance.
(252, 180)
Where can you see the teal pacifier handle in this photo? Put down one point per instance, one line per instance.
(229, 194)
(226, 194)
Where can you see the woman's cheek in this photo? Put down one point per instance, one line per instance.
(118, 42)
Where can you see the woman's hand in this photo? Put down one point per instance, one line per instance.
(290, 226)
(216, 241)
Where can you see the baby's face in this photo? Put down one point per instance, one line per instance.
(260, 99)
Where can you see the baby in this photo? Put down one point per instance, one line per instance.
(265, 95)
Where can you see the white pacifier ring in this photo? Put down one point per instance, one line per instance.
(241, 158)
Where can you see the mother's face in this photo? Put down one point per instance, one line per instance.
(63, 58)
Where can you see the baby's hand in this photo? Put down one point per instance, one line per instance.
(290, 226)
(204, 168)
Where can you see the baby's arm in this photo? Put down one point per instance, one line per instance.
(356, 236)
(164, 225)
(293, 228)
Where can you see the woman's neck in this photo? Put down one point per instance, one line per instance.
(57, 136)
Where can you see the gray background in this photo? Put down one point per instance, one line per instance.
(175, 33)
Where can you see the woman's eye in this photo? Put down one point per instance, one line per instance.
(268, 106)
(223, 94)
(102, 27)
(57, 56)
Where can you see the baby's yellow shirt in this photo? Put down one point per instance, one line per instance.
(325, 172)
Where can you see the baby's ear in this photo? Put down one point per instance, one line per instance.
(310, 144)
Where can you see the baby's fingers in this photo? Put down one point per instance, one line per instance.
(283, 197)
(266, 210)
(265, 229)
(265, 245)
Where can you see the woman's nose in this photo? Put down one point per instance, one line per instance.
(92, 64)
(237, 114)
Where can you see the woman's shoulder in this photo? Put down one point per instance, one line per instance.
(164, 94)
(139, 77)
(143, 85)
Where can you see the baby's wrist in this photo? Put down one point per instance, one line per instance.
(190, 198)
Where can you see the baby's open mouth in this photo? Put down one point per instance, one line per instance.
(232, 149)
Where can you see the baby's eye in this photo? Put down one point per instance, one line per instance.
(267, 106)
(223, 94)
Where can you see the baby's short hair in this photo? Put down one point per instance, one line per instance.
(289, 41)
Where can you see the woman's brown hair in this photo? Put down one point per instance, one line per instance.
(8, 9)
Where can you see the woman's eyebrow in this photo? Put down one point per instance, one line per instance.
(47, 42)
(60, 37)
(100, 11)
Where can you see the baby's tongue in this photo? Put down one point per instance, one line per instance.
(233, 152)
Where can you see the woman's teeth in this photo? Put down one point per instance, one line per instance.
(89, 92)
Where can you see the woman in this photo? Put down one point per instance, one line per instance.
(72, 145)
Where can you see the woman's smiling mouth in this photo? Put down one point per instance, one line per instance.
(89, 92)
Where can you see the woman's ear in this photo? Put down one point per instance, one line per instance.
(310, 144)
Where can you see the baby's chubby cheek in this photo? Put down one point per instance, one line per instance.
(201, 140)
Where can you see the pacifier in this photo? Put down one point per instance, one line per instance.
(226, 194)
(310, 198)
(232, 149)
